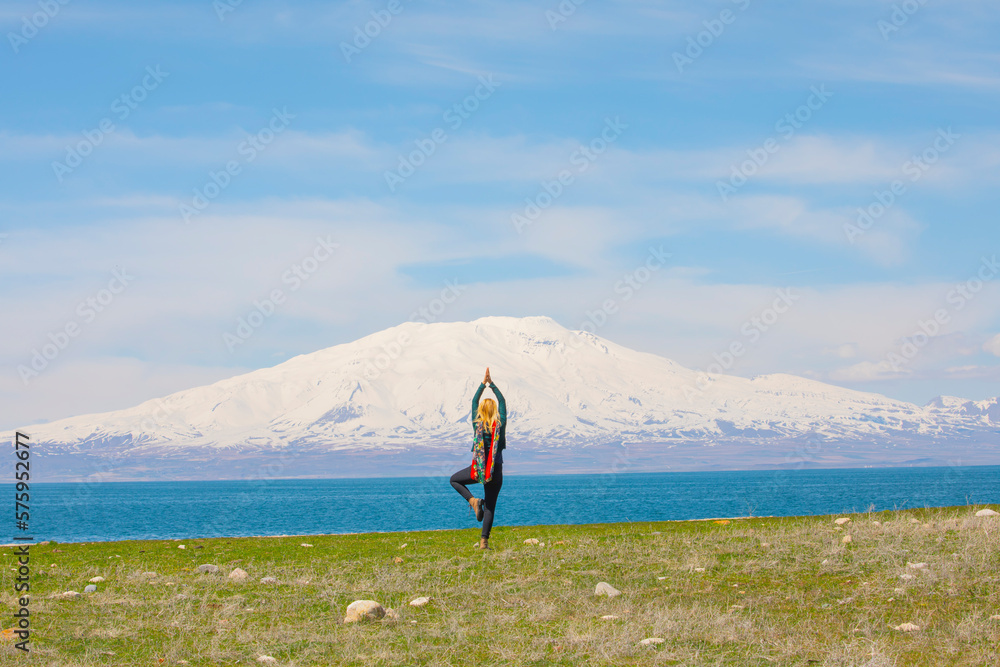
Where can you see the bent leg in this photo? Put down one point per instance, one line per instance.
(490, 503)
(461, 479)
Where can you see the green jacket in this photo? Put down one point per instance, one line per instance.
(501, 409)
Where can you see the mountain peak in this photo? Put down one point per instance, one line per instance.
(410, 386)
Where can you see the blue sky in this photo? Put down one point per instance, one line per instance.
(119, 116)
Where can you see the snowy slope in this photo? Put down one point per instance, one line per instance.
(411, 386)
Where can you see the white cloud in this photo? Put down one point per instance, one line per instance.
(993, 345)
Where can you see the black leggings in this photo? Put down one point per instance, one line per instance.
(463, 477)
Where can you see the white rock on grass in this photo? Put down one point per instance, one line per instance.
(907, 627)
(916, 566)
(699, 569)
(604, 588)
(649, 641)
(207, 568)
(907, 576)
(268, 580)
(531, 540)
(609, 617)
(181, 546)
(419, 602)
(846, 539)
(986, 512)
(91, 588)
(96, 580)
(842, 520)
(403, 545)
(238, 575)
(305, 544)
(68, 595)
(267, 660)
(361, 610)
(661, 578)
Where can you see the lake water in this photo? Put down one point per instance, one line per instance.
(82, 512)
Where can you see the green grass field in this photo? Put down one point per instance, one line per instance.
(772, 591)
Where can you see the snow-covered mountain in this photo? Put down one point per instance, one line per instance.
(398, 402)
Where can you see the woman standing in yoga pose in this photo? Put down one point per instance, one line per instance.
(488, 421)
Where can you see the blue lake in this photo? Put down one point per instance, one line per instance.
(83, 512)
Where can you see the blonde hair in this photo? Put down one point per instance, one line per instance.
(487, 412)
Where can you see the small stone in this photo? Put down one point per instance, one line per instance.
(541, 544)
(268, 580)
(649, 641)
(397, 559)
(907, 576)
(305, 544)
(609, 617)
(96, 580)
(91, 588)
(824, 561)
(916, 566)
(604, 588)
(68, 595)
(765, 544)
(403, 545)
(149, 574)
(267, 660)
(842, 520)
(986, 512)
(238, 575)
(846, 539)
(207, 568)
(661, 578)
(419, 602)
(898, 590)
(699, 569)
(181, 546)
(531, 540)
(361, 610)
(907, 627)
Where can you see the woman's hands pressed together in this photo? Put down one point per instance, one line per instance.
(487, 380)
